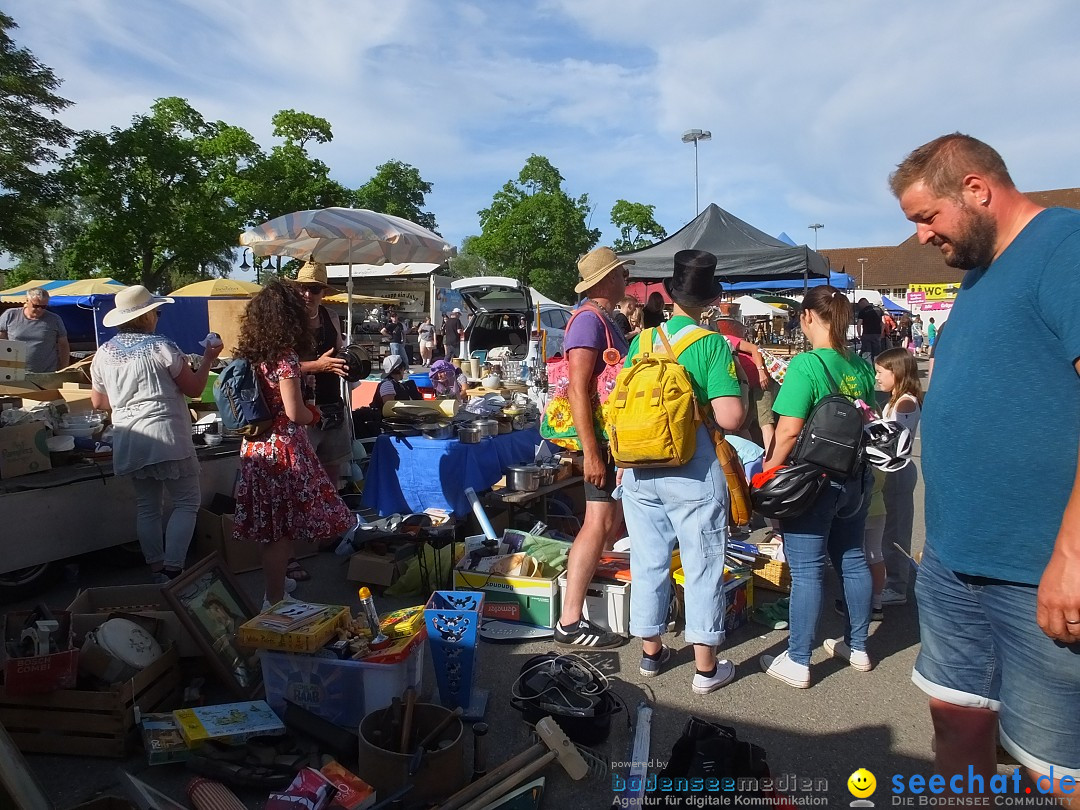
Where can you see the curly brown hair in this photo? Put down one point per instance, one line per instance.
(274, 323)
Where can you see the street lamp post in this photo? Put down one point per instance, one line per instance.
(817, 226)
(696, 135)
(254, 264)
(862, 265)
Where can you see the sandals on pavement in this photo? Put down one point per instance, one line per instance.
(296, 571)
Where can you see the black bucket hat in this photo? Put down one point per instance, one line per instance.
(694, 282)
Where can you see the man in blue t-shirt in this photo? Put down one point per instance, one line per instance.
(999, 584)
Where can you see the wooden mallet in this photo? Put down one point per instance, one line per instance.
(553, 745)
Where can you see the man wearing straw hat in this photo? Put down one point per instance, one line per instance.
(330, 437)
(586, 343)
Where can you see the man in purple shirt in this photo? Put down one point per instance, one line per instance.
(590, 337)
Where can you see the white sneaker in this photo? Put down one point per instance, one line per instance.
(784, 669)
(838, 648)
(891, 597)
(725, 674)
(266, 602)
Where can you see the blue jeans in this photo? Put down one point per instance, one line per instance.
(171, 548)
(982, 647)
(833, 525)
(399, 350)
(688, 504)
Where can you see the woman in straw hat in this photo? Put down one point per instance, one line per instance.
(284, 493)
(143, 377)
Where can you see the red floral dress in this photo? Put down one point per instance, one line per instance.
(283, 492)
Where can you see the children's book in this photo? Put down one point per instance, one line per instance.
(230, 723)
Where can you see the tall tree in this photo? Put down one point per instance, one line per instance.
(535, 231)
(397, 189)
(160, 197)
(29, 138)
(467, 264)
(636, 225)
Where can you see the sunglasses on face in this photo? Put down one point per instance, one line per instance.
(311, 290)
(39, 306)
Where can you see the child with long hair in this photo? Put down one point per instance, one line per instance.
(898, 376)
(283, 493)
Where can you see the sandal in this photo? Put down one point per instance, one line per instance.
(296, 571)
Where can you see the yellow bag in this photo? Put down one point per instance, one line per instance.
(652, 414)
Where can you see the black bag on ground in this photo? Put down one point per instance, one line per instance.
(832, 437)
(709, 751)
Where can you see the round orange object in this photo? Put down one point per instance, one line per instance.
(612, 357)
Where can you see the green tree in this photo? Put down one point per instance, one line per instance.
(397, 189)
(467, 264)
(636, 225)
(29, 138)
(534, 231)
(160, 197)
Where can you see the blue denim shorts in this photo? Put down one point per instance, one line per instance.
(982, 648)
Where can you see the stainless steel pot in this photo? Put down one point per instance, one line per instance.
(488, 427)
(469, 434)
(437, 430)
(547, 475)
(523, 477)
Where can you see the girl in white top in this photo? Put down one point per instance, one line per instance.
(898, 376)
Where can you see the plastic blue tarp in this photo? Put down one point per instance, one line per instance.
(891, 306)
(186, 321)
(842, 281)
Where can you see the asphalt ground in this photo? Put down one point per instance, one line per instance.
(845, 721)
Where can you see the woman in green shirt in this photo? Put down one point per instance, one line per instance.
(834, 524)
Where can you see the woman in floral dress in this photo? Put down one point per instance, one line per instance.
(283, 494)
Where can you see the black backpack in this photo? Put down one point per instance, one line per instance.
(240, 400)
(832, 437)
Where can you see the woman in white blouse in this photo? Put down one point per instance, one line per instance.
(143, 377)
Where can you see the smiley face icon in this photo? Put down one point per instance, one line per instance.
(861, 783)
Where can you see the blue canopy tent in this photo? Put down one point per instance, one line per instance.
(842, 281)
(892, 307)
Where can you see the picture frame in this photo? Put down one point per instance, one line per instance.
(211, 605)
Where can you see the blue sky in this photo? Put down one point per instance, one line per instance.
(810, 105)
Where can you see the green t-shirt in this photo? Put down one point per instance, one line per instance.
(805, 384)
(708, 361)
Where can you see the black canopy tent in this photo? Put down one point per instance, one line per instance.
(743, 253)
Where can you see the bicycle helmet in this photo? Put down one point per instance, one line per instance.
(888, 445)
(787, 492)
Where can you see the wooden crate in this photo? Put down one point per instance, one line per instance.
(84, 723)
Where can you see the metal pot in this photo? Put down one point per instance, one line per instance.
(437, 430)
(469, 434)
(547, 475)
(488, 427)
(523, 477)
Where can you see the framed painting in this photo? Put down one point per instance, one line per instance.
(212, 606)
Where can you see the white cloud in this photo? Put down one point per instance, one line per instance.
(810, 105)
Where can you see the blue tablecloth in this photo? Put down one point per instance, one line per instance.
(415, 473)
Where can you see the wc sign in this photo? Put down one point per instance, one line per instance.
(931, 292)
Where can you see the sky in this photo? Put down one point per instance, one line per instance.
(810, 105)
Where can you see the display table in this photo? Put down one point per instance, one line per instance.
(74, 509)
(411, 474)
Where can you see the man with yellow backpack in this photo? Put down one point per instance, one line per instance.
(676, 376)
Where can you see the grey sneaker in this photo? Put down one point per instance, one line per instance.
(650, 667)
(891, 597)
(725, 674)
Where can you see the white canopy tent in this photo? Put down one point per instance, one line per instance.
(752, 308)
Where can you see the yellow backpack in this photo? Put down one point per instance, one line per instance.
(652, 414)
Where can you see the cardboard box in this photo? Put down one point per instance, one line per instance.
(12, 360)
(162, 739)
(23, 450)
(307, 639)
(39, 674)
(607, 603)
(88, 723)
(93, 606)
(340, 691)
(229, 723)
(214, 532)
(739, 593)
(518, 599)
(371, 568)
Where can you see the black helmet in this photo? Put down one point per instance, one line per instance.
(787, 492)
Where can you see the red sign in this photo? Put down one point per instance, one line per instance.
(916, 297)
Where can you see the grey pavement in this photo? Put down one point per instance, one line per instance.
(846, 720)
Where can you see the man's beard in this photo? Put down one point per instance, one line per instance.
(975, 242)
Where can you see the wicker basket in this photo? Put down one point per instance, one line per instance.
(771, 574)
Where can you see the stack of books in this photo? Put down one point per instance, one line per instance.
(287, 617)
